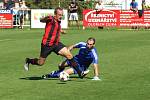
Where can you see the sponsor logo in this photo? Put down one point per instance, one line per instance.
(5, 11)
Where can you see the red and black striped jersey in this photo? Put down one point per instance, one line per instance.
(52, 32)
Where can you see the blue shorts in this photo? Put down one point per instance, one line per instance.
(81, 66)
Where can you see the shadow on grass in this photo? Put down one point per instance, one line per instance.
(37, 78)
(72, 78)
(80, 78)
(62, 82)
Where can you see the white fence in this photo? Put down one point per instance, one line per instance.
(32, 17)
(36, 14)
(21, 18)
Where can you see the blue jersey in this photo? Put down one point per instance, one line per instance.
(86, 56)
(134, 4)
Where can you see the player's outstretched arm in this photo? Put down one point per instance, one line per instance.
(71, 47)
(44, 19)
(63, 31)
(96, 72)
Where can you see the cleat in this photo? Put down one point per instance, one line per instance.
(54, 74)
(51, 75)
(26, 65)
(84, 73)
(81, 75)
(45, 76)
(96, 78)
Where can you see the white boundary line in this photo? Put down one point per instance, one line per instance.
(5, 40)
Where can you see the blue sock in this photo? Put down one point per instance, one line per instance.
(55, 74)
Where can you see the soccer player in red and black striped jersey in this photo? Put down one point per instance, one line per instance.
(51, 42)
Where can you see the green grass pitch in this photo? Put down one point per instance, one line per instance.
(124, 61)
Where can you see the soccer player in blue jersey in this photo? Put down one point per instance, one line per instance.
(134, 6)
(87, 55)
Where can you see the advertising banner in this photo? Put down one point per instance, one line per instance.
(115, 18)
(36, 14)
(92, 18)
(147, 18)
(130, 18)
(6, 19)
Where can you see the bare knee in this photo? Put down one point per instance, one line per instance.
(41, 62)
(69, 56)
(66, 53)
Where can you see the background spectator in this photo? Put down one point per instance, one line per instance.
(73, 15)
(16, 14)
(8, 4)
(134, 6)
(23, 10)
(1, 5)
(99, 7)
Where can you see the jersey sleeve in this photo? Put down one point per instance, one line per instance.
(80, 44)
(50, 19)
(130, 4)
(95, 56)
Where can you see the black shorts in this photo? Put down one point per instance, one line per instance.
(46, 50)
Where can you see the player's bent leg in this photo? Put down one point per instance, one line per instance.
(62, 65)
(85, 72)
(41, 61)
(30, 61)
(69, 71)
(53, 74)
(66, 53)
(26, 65)
(34, 61)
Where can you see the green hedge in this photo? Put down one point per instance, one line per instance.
(51, 4)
